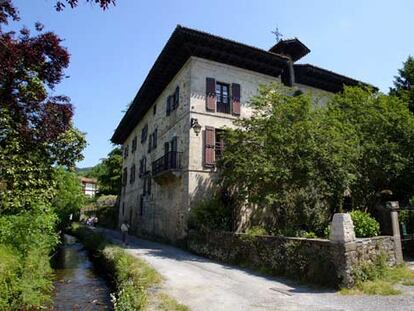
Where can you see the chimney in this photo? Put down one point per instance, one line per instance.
(294, 50)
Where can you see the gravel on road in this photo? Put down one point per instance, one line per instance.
(204, 285)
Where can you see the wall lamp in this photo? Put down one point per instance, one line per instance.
(196, 126)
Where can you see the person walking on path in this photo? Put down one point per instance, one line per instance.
(124, 230)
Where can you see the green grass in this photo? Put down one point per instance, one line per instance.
(377, 287)
(382, 281)
(166, 303)
(133, 277)
(408, 283)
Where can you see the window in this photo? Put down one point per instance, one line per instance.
(169, 105)
(173, 101)
(219, 144)
(125, 176)
(154, 109)
(223, 99)
(213, 145)
(154, 139)
(134, 144)
(176, 98)
(126, 150)
(142, 166)
(141, 206)
(123, 209)
(144, 133)
(147, 185)
(152, 142)
(132, 174)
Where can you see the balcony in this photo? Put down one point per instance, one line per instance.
(168, 167)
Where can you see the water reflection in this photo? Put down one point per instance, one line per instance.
(77, 285)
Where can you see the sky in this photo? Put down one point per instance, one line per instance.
(112, 51)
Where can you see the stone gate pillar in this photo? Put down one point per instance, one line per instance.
(342, 229)
(394, 207)
(342, 237)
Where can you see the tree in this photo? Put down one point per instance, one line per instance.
(302, 157)
(404, 83)
(69, 197)
(109, 173)
(104, 4)
(36, 133)
(385, 133)
(299, 161)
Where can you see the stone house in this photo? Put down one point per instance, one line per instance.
(89, 186)
(171, 132)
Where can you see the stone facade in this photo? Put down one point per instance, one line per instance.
(192, 64)
(164, 211)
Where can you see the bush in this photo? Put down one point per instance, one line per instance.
(106, 200)
(407, 220)
(26, 240)
(364, 225)
(256, 230)
(309, 235)
(377, 278)
(210, 214)
(26, 282)
(9, 268)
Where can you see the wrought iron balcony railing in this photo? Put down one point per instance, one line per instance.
(169, 161)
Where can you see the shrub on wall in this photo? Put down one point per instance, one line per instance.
(256, 230)
(407, 221)
(211, 214)
(364, 225)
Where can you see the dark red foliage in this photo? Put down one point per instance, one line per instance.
(55, 118)
(104, 4)
(7, 10)
(29, 66)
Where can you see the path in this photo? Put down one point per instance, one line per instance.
(204, 285)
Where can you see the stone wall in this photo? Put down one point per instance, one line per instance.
(317, 261)
(367, 250)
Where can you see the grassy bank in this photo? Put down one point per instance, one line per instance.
(133, 278)
(26, 277)
(378, 278)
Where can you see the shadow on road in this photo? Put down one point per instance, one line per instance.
(159, 250)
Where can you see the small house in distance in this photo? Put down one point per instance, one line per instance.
(171, 134)
(89, 186)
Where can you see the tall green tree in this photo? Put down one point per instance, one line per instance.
(404, 83)
(109, 173)
(385, 133)
(293, 160)
(289, 160)
(36, 133)
(69, 197)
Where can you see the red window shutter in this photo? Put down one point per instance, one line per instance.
(209, 142)
(235, 103)
(211, 94)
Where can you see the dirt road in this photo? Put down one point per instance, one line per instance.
(204, 285)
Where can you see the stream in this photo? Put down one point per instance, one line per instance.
(78, 286)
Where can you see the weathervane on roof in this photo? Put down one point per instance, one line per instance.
(277, 34)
